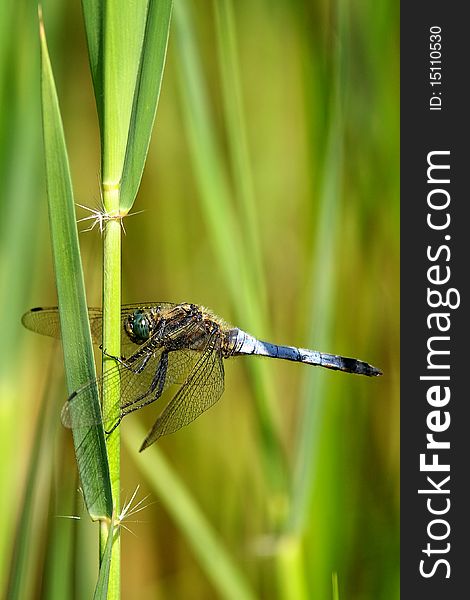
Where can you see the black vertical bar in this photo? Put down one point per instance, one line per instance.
(435, 239)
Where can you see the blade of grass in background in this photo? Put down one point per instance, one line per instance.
(59, 562)
(322, 303)
(76, 339)
(308, 457)
(290, 569)
(237, 138)
(225, 576)
(20, 227)
(23, 536)
(225, 234)
(19, 173)
(39, 539)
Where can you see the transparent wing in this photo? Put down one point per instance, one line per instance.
(202, 389)
(46, 321)
(144, 375)
(141, 380)
(135, 388)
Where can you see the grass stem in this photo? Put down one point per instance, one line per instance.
(111, 343)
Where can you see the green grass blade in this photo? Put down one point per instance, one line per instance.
(127, 49)
(101, 590)
(76, 339)
(59, 565)
(20, 227)
(20, 168)
(314, 391)
(215, 192)
(322, 301)
(291, 569)
(123, 28)
(93, 17)
(233, 257)
(238, 142)
(22, 543)
(208, 549)
(146, 95)
(316, 450)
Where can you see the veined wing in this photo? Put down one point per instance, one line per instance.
(202, 389)
(42, 320)
(136, 388)
(141, 379)
(46, 321)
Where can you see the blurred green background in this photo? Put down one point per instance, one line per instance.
(270, 195)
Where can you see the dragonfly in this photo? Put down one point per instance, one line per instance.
(165, 344)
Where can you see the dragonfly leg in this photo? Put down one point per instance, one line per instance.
(159, 379)
(156, 386)
(120, 359)
(125, 363)
(110, 431)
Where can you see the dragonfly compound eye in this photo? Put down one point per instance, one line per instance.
(138, 327)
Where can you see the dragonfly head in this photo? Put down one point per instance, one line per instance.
(139, 326)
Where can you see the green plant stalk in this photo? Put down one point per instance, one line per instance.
(334, 583)
(102, 587)
(290, 569)
(120, 71)
(112, 346)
